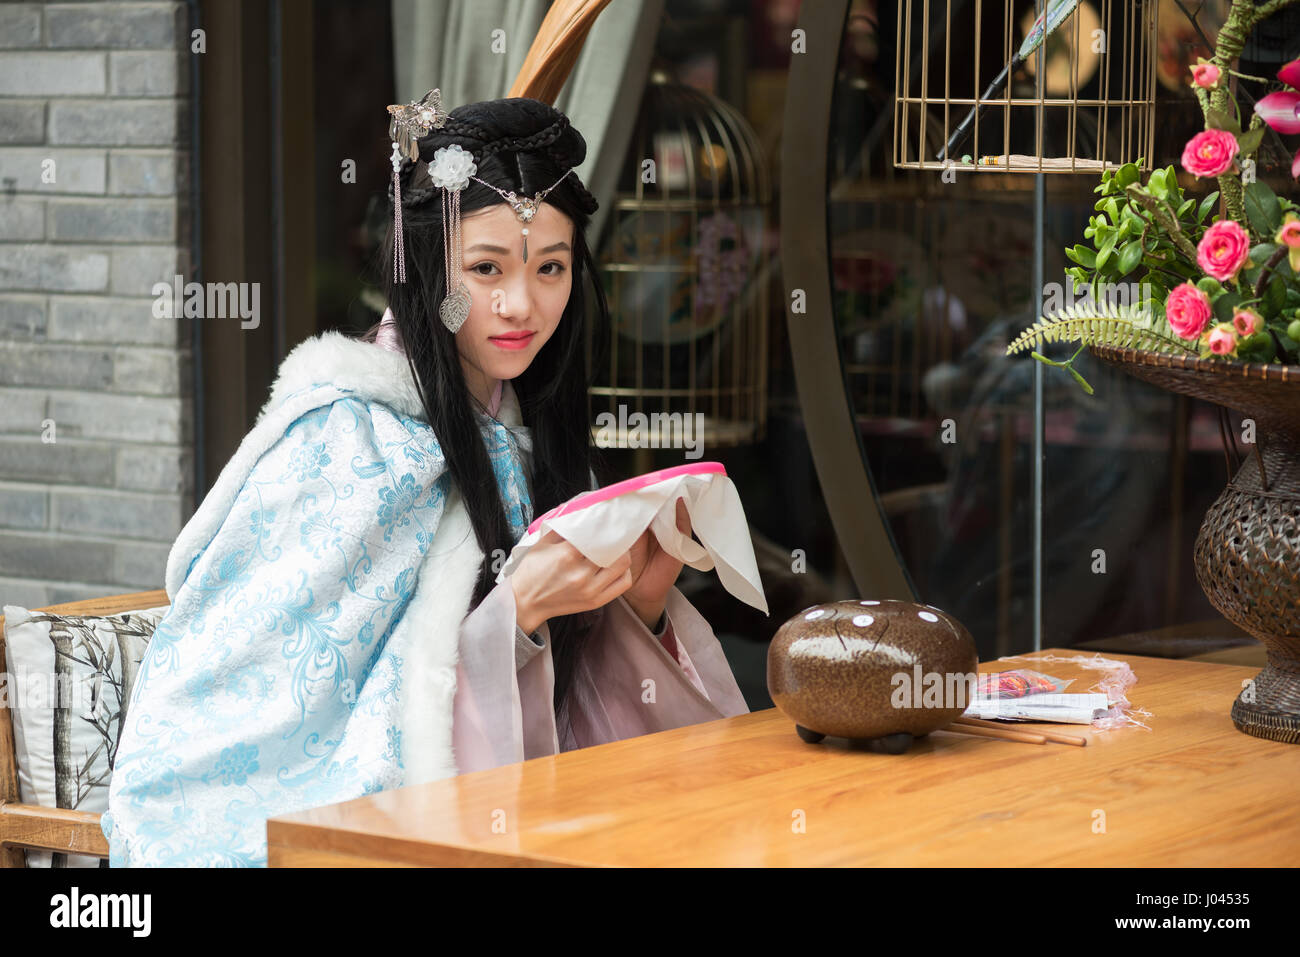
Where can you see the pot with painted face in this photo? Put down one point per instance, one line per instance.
(886, 671)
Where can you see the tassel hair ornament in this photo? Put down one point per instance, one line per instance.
(410, 122)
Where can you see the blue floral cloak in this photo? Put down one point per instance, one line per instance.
(309, 653)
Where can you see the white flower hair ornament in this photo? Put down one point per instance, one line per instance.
(452, 167)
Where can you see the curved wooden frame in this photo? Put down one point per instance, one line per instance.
(847, 485)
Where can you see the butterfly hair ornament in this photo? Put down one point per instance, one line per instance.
(451, 170)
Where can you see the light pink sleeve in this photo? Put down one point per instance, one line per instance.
(630, 684)
(504, 683)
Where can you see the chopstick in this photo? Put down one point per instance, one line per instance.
(1056, 736)
(1006, 735)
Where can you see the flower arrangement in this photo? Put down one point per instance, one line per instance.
(1226, 285)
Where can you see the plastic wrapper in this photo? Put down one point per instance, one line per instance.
(1018, 684)
(1116, 678)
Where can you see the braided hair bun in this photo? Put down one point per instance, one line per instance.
(518, 144)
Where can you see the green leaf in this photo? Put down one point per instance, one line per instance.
(1158, 290)
(1083, 255)
(1157, 186)
(1101, 323)
(1081, 380)
(1259, 254)
(1225, 306)
(1262, 209)
(1182, 210)
(1209, 285)
(1207, 204)
(1219, 120)
(1249, 141)
(1129, 256)
(1257, 348)
(1127, 174)
(1104, 250)
(1274, 297)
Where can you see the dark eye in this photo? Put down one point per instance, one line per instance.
(559, 268)
(477, 268)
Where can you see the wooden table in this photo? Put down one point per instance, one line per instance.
(746, 791)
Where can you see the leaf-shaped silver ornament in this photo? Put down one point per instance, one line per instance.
(454, 310)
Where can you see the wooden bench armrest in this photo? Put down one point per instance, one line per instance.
(51, 829)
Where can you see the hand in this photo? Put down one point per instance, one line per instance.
(555, 579)
(654, 572)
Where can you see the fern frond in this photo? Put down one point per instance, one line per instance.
(1103, 324)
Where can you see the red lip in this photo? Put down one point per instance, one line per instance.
(514, 335)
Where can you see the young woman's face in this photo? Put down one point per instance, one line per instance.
(511, 297)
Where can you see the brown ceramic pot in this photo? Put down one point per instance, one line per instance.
(885, 671)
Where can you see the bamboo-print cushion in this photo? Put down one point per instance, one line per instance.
(70, 680)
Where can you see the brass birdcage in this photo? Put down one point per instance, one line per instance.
(686, 271)
(1093, 109)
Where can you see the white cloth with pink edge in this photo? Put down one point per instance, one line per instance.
(603, 524)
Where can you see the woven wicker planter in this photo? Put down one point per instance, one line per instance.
(1248, 550)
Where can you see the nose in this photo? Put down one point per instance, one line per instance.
(512, 300)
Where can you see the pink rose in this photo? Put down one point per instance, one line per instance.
(1289, 234)
(1247, 322)
(1205, 75)
(1223, 340)
(1188, 310)
(1223, 250)
(1210, 153)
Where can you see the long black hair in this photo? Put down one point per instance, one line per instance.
(523, 145)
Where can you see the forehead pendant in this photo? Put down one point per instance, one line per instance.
(525, 207)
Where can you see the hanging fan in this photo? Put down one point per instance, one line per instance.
(1074, 42)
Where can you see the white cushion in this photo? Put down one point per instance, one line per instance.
(90, 706)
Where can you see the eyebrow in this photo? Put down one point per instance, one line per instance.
(500, 250)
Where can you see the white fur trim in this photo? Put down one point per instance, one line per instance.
(346, 363)
(317, 372)
(439, 605)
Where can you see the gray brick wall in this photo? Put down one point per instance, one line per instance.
(96, 405)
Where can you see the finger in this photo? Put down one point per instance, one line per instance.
(683, 517)
(620, 567)
(616, 587)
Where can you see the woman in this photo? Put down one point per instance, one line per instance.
(336, 627)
